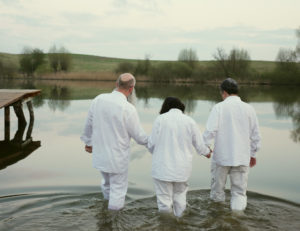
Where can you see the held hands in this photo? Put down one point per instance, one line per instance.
(252, 162)
(88, 149)
(209, 154)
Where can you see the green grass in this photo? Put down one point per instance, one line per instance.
(10, 58)
(263, 66)
(91, 63)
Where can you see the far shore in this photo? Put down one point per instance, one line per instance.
(111, 76)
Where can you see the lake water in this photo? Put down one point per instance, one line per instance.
(52, 186)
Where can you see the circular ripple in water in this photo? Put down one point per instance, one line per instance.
(71, 211)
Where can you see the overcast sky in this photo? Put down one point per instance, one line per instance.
(159, 28)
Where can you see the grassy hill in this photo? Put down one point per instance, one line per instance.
(91, 63)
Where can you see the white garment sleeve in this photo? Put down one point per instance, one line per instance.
(135, 129)
(211, 126)
(153, 136)
(255, 135)
(198, 142)
(86, 137)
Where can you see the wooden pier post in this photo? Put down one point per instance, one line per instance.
(15, 98)
(7, 124)
(18, 108)
(31, 121)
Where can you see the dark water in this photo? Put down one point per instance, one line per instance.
(51, 185)
(85, 209)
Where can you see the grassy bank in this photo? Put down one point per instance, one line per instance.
(89, 67)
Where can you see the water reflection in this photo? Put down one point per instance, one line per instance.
(59, 98)
(42, 179)
(12, 151)
(287, 105)
(286, 99)
(189, 94)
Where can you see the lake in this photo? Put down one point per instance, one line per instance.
(52, 186)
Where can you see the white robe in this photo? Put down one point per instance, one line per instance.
(172, 141)
(111, 123)
(233, 125)
(173, 138)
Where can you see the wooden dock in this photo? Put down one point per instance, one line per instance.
(16, 98)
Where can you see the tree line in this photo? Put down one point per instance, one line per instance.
(235, 63)
(31, 59)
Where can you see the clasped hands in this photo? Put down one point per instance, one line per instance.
(88, 149)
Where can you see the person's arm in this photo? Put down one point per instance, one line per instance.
(198, 142)
(86, 137)
(135, 129)
(254, 139)
(152, 140)
(211, 126)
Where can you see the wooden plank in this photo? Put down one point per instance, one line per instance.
(10, 96)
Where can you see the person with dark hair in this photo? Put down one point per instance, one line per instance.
(111, 123)
(173, 137)
(233, 125)
(171, 102)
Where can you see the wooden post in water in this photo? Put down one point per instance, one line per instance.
(6, 124)
(19, 113)
(31, 116)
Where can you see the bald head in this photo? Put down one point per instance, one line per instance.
(125, 81)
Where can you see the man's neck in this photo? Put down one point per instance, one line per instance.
(124, 92)
(227, 95)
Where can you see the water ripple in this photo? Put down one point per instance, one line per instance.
(87, 211)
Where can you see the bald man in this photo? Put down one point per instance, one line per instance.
(112, 121)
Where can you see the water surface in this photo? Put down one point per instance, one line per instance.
(54, 187)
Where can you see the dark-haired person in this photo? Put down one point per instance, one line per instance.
(173, 138)
(233, 126)
(112, 121)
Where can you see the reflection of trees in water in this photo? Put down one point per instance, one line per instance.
(59, 98)
(188, 94)
(287, 105)
(286, 98)
(190, 105)
(38, 100)
(291, 110)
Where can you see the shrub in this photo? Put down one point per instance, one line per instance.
(125, 67)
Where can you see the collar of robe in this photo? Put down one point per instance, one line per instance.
(233, 97)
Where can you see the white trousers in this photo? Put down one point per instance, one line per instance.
(114, 188)
(238, 179)
(171, 196)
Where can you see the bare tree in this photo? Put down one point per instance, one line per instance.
(188, 56)
(143, 66)
(286, 59)
(53, 57)
(59, 59)
(222, 60)
(238, 61)
(234, 64)
(65, 59)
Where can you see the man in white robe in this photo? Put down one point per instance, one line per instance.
(111, 122)
(233, 126)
